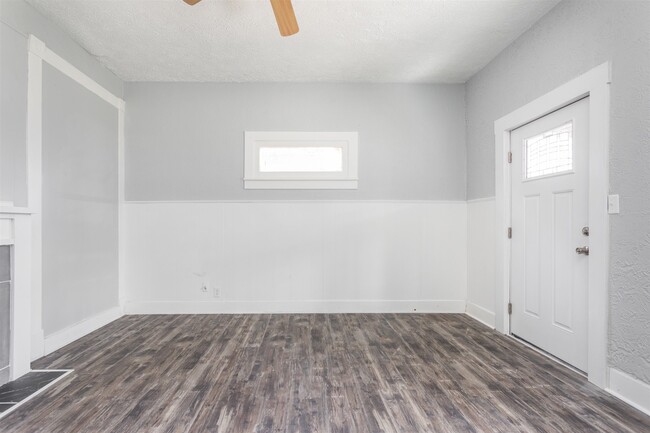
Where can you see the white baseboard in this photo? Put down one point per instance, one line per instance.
(479, 313)
(480, 200)
(632, 391)
(66, 336)
(37, 344)
(314, 306)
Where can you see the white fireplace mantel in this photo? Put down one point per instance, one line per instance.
(16, 230)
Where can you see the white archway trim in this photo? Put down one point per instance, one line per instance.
(38, 53)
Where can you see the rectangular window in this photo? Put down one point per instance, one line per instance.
(300, 160)
(549, 153)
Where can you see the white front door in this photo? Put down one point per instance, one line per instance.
(549, 283)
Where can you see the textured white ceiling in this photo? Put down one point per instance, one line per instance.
(225, 40)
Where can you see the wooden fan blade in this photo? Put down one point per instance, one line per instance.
(285, 17)
(191, 2)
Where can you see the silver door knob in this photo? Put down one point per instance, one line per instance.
(583, 250)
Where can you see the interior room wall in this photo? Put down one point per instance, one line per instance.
(80, 210)
(295, 256)
(184, 141)
(25, 20)
(390, 243)
(570, 40)
(481, 263)
(399, 242)
(13, 106)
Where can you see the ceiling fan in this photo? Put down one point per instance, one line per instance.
(284, 15)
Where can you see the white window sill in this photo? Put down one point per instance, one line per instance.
(300, 184)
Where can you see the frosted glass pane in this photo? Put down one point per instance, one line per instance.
(550, 152)
(301, 159)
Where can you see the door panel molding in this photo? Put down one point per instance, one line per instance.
(594, 84)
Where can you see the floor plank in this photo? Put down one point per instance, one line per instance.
(299, 373)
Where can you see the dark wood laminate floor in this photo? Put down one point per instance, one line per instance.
(313, 373)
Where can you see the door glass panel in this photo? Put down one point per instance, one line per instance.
(550, 152)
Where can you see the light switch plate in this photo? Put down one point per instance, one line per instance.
(613, 204)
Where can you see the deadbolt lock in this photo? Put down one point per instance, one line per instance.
(585, 231)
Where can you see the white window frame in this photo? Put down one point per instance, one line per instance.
(345, 179)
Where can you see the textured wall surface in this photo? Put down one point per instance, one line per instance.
(185, 141)
(573, 38)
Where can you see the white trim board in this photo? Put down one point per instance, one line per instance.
(38, 48)
(72, 333)
(34, 188)
(301, 184)
(40, 391)
(297, 307)
(595, 84)
(481, 314)
(121, 218)
(347, 142)
(632, 391)
(480, 200)
(38, 52)
(262, 201)
(15, 211)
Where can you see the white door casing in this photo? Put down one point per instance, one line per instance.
(594, 83)
(549, 281)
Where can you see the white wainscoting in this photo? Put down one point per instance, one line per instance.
(295, 256)
(480, 260)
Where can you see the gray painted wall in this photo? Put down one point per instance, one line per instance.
(573, 38)
(17, 20)
(13, 109)
(80, 175)
(24, 19)
(80, 219)
(185, 141)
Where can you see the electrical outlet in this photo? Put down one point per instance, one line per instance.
(216, 292)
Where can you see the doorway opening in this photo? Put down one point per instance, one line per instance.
(549, 176)
(593, 88)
